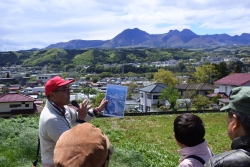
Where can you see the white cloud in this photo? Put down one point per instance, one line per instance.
(39, 23)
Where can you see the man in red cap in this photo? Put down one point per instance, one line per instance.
(56, 117)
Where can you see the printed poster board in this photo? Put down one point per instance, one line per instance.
(116, 96)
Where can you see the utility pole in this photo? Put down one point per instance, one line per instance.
(122, 68)
(210, 76)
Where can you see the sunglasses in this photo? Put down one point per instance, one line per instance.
(63, 90)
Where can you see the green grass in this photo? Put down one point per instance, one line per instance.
(138, 141)
(152, 137)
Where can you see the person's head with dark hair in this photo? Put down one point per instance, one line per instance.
(244, 119)
(189, 130)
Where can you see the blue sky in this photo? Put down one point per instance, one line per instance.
(27, 24)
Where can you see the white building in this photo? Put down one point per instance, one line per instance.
(14, 104)
(45, 77)
(149, 95)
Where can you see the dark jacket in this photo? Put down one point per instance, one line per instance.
(237, 157)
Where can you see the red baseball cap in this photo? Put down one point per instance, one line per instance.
(54, 83)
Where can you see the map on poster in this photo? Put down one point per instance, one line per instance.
(116, 96)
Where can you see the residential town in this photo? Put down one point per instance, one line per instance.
(124, 83)
(22, 96)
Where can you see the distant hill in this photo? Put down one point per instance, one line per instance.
(77, 44)
(174, 38)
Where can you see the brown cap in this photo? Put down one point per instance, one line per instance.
(83, 145)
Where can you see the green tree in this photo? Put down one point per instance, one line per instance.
(149, 76)
(7, 84)
(8, 64)
(131, 87)
(189, 94)
(95, 80)
(129, 96)
(97, 100)
(7, 75)
(171, 94)
(200, 102)
(236, 66)
(32, 78)
(215, 99)
(204, 73)
(222, 69)
(181, 67)
(64, 75)
(5, 89)
(105, 74)
(92, 91)
(131, 74)
(237, 69)
(88, 90)
(166, 77)
(87, 78)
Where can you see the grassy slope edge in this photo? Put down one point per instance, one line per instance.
(138, 141)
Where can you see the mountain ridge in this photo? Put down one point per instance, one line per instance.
(174, 38)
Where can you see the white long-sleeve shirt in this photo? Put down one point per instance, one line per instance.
(52, 124)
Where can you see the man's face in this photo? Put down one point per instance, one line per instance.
(234, 127)
(61, 96)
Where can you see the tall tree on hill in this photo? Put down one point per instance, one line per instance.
(166, 77)
(237, 68)
(181, 67)
(222, 69)
(205, 73)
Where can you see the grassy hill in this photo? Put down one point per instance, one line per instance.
(138, 141)
(62, 57)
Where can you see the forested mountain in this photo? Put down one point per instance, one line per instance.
(77, 44)
(61, 57)
(94, 56)
(174, 38)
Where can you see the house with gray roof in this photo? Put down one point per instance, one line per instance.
(199, 88)
(149, 95)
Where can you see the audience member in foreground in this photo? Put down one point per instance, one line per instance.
(238, 128)
(82, 146)
(189, 133)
